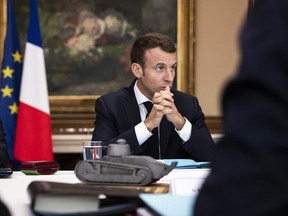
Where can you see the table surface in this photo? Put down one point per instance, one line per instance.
(13, 190)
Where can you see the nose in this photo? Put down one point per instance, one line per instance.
(169, 76)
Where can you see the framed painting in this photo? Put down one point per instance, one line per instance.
(87, 43)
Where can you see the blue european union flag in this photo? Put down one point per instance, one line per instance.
(11, 73)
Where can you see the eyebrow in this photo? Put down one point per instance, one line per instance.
(160, 63)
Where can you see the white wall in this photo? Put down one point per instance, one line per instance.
(218, 24)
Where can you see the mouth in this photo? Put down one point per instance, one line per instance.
(163, 88)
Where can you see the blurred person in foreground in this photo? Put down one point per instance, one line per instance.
(4, 157)
(249, 175)
(123, 114)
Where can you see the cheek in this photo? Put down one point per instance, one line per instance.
(157, 83)
(173, 74)
(156, 80)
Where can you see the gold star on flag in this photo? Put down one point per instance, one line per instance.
(8, 72)
(17, 56)
(13, 108)
(7, 91)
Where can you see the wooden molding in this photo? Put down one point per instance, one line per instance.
(214, 124)
(75, 123)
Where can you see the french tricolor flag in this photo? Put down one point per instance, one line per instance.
(33, 131)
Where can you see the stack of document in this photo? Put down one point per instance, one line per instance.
(169, 205)
(185, 184)
(187, 163)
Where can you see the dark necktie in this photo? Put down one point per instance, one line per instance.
(153, 141)
(148, 105)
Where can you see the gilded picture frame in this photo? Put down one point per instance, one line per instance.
(76, 113)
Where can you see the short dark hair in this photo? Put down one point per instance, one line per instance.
(150, 41)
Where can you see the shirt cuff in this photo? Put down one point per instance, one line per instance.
(142, 133)
(185, 132)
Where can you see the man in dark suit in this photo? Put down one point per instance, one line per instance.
(4, 157)
(249, 175)
(175, 127)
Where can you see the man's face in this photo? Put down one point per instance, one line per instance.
(159, 71)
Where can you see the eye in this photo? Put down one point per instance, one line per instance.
(160, 68)
(173, 68)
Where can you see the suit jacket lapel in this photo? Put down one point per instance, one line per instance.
(131, 106)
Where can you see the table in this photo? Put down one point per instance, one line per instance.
(13, 190)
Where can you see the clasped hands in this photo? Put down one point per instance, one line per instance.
(163, 104)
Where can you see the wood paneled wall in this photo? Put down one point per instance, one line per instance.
(84, 123)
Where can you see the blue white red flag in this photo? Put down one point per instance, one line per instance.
(33, 139)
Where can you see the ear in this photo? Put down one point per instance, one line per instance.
(137, 70)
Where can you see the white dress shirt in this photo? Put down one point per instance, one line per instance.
(142, 133)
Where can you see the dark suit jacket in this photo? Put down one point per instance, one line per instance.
(117, 113)
(249, 175)
(4, 157)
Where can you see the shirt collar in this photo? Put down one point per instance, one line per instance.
(139, 96)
